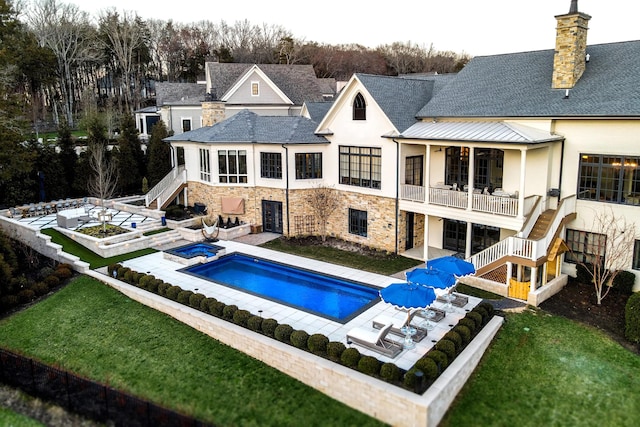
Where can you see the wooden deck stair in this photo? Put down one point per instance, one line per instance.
(541, 227)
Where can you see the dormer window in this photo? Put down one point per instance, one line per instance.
(359, 108)
(255, 89)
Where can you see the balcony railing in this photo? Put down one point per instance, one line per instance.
(499, 205)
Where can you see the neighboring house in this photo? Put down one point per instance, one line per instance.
(504, 163)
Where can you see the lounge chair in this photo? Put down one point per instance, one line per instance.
(375, 340)
(398, 324)
(439, 314)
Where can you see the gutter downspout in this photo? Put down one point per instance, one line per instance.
(286, 162)
(397, 190)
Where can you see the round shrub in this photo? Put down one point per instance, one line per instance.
(195, 300)
(447, 347)
(228, 311)
(390, 372)
(350, 357)
(217, 308)
(204, 304)
(26, 295)
(469, 323)
(369, 365)
(487, 306)
(122, 271)
(44, 272)
(318, 343)
(52, 281)
(184, 296)
(335, 350)
(476, 317)
(136, 276)
(63, 272)
(441, 359)
(409, 379)
(299, 339)
(632, 318)
(269, 327)
(152, 286)
(240, 317)
(113, 267)
(455, 338)
(482, 312)
(283, 333)
(172, 292)
(255, 323)
(145, 280)
(163, 288)
(464, 332)
(65, 265)
(428, 367)
(128, 276)
(624, 281)
(40, 288)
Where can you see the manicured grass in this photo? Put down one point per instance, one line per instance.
(383, 264)
(158, 231)
(96, 261)
(543, 370)
(12, 419)
(98, 332)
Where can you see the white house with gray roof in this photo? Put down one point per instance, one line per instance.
(506, 163)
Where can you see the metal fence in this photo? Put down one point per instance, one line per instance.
(85, 397)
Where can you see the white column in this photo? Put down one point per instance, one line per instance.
(425, 170)
(425, 238)
(509, 272)
(472, 172)
(534, 279)
(523, 165)
(467, 249)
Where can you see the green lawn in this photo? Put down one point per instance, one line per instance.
(98, 332)
(11, 419)
(543, 370)
(96, 261)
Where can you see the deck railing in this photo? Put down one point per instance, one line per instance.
(167, 185)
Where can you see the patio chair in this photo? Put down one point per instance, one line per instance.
(210, 232)
(375, 340)
(397, 324)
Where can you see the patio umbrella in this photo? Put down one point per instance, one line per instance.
(450, 264)
(431, 277)
(408, 295)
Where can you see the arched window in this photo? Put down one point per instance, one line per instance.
(359, 108)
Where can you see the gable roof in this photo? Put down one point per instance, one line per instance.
(317, 110)
(179, 93)
(519, 85)
(298, 82)
(400, 98)
(249, 127)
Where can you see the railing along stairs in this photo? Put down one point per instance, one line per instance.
(166, 187)
(520, 247)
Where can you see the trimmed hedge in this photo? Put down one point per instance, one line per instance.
(269, 327)
(283, 333)
(632, 318)
(299, 339)
(240, 317)
(390, 372)
(369, 365)
(335, 350)
(350, 357)
(318, 343)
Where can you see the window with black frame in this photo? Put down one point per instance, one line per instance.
(308, 165)
(359, 108)
(413, 170)
(585, 247)
(358, 222)
(361, 166)
(609, 178)
(232, 166)
(271, 165)
(636, 255)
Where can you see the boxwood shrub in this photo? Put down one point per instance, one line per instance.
(299, 339)
(632, 318)
(390, 372)
(240, 317)
(350, 357)
(464, 333)
(409, 380)
(428, 367)
(195, 300)
(172, 292)
(447, 347)
(228, 311)
(255, 323)
(455, 338)
(624, 281)
(335, 350)
(184, 296)
(318, 343)
(52, 281)
(283, 333)
(441, 359)
(163, 288)
(40, 288)
(369, 365)
(469, 323)
(217, 308)
(204, 304)
(269, 327)
(476, 317)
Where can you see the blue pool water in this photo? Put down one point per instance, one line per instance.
(195, 249)
(327, 296)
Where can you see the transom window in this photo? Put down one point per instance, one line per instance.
(271, 165)
(609, 179)
(205, 165)
(361, 166)
(232, 166)
(359, 108)
(308, 165)
(358, 222)
(585, 247)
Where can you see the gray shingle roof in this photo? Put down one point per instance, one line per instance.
(519, 85)
(249, 127)
(399, 98)
(317, 110)
(298, 82)
(179, 93)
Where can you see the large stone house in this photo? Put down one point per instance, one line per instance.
(505, 163)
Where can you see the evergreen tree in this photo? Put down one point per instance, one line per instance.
(159, 154)
(68, 160)
(129, 157)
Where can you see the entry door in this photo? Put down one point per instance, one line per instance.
(409, 237)
(272, 216)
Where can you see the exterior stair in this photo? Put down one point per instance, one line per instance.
(541, 227)
(161, 240)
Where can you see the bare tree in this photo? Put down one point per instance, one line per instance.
(606, 251)
(324, 200)
(104, 178)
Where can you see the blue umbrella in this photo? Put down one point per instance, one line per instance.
(431, 277)
(450, 264)
(408, 295)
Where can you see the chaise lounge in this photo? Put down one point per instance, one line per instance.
(375, 340)
(398, 324)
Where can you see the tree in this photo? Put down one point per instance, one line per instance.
(103, 180)
(159, 154)
(68, 157)
(129, 157)
(324, 200)
(608, 250)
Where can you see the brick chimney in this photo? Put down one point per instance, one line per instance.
(569, 60)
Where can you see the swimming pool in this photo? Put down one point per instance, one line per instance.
(195, 249)
(321, 294)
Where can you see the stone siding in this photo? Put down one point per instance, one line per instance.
(212, 113)
(571, 47)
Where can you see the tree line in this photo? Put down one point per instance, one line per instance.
(62, 69)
